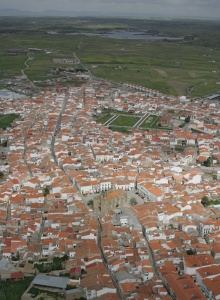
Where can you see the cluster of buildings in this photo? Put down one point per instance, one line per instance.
(66, 182)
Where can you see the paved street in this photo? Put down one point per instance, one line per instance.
(131, 194)
(137, 225)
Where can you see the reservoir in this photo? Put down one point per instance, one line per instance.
(125, 34)
(6, 94)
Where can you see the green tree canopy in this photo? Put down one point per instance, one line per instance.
(205, 200)
(133, 201)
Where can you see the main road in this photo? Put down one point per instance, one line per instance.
(57, 128)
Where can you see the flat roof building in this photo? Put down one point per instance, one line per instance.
(50, 281)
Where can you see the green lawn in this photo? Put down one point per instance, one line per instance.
(6, 120)
(213, 202)
(128, 121)
(104, 119)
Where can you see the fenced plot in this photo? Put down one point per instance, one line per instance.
(126, 121)
(150, 122)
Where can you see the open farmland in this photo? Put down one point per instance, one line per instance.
(188, 67)
(170, 68)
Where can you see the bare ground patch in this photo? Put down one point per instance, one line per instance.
(180, 87)
(161, 72)
(192, 74)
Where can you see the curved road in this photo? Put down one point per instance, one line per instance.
(27, 66)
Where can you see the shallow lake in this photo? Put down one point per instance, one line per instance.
(6, 94)
(125, 34)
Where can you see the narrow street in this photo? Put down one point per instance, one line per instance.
(25, 137)
(99, 243)
(137, 225)
(57, 128)
(8, 217)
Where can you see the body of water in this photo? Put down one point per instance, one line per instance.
(6, 94)
(124, 34)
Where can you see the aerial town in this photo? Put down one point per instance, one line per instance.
(88, 211)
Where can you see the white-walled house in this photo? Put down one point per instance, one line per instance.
(85, 187)
(205, 228)
(126, 185)
(147, 273)
(39, 198)
(124, 220)
(105, 184)
(193, 178)
(101, 157)
(193, 262)
(150, 191)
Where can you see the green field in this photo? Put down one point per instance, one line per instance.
(127, 121)
(169, 68)
(104, 119)
(13, 290)
(6, 120)
(189, 67)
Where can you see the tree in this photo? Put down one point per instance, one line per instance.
(15, 257)
(205, 201)
(208, 162)
(190, 252)
(90, 203)
(1, 174)
(46, 191)
(133, 201)
(187, 119)
(5, 144)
